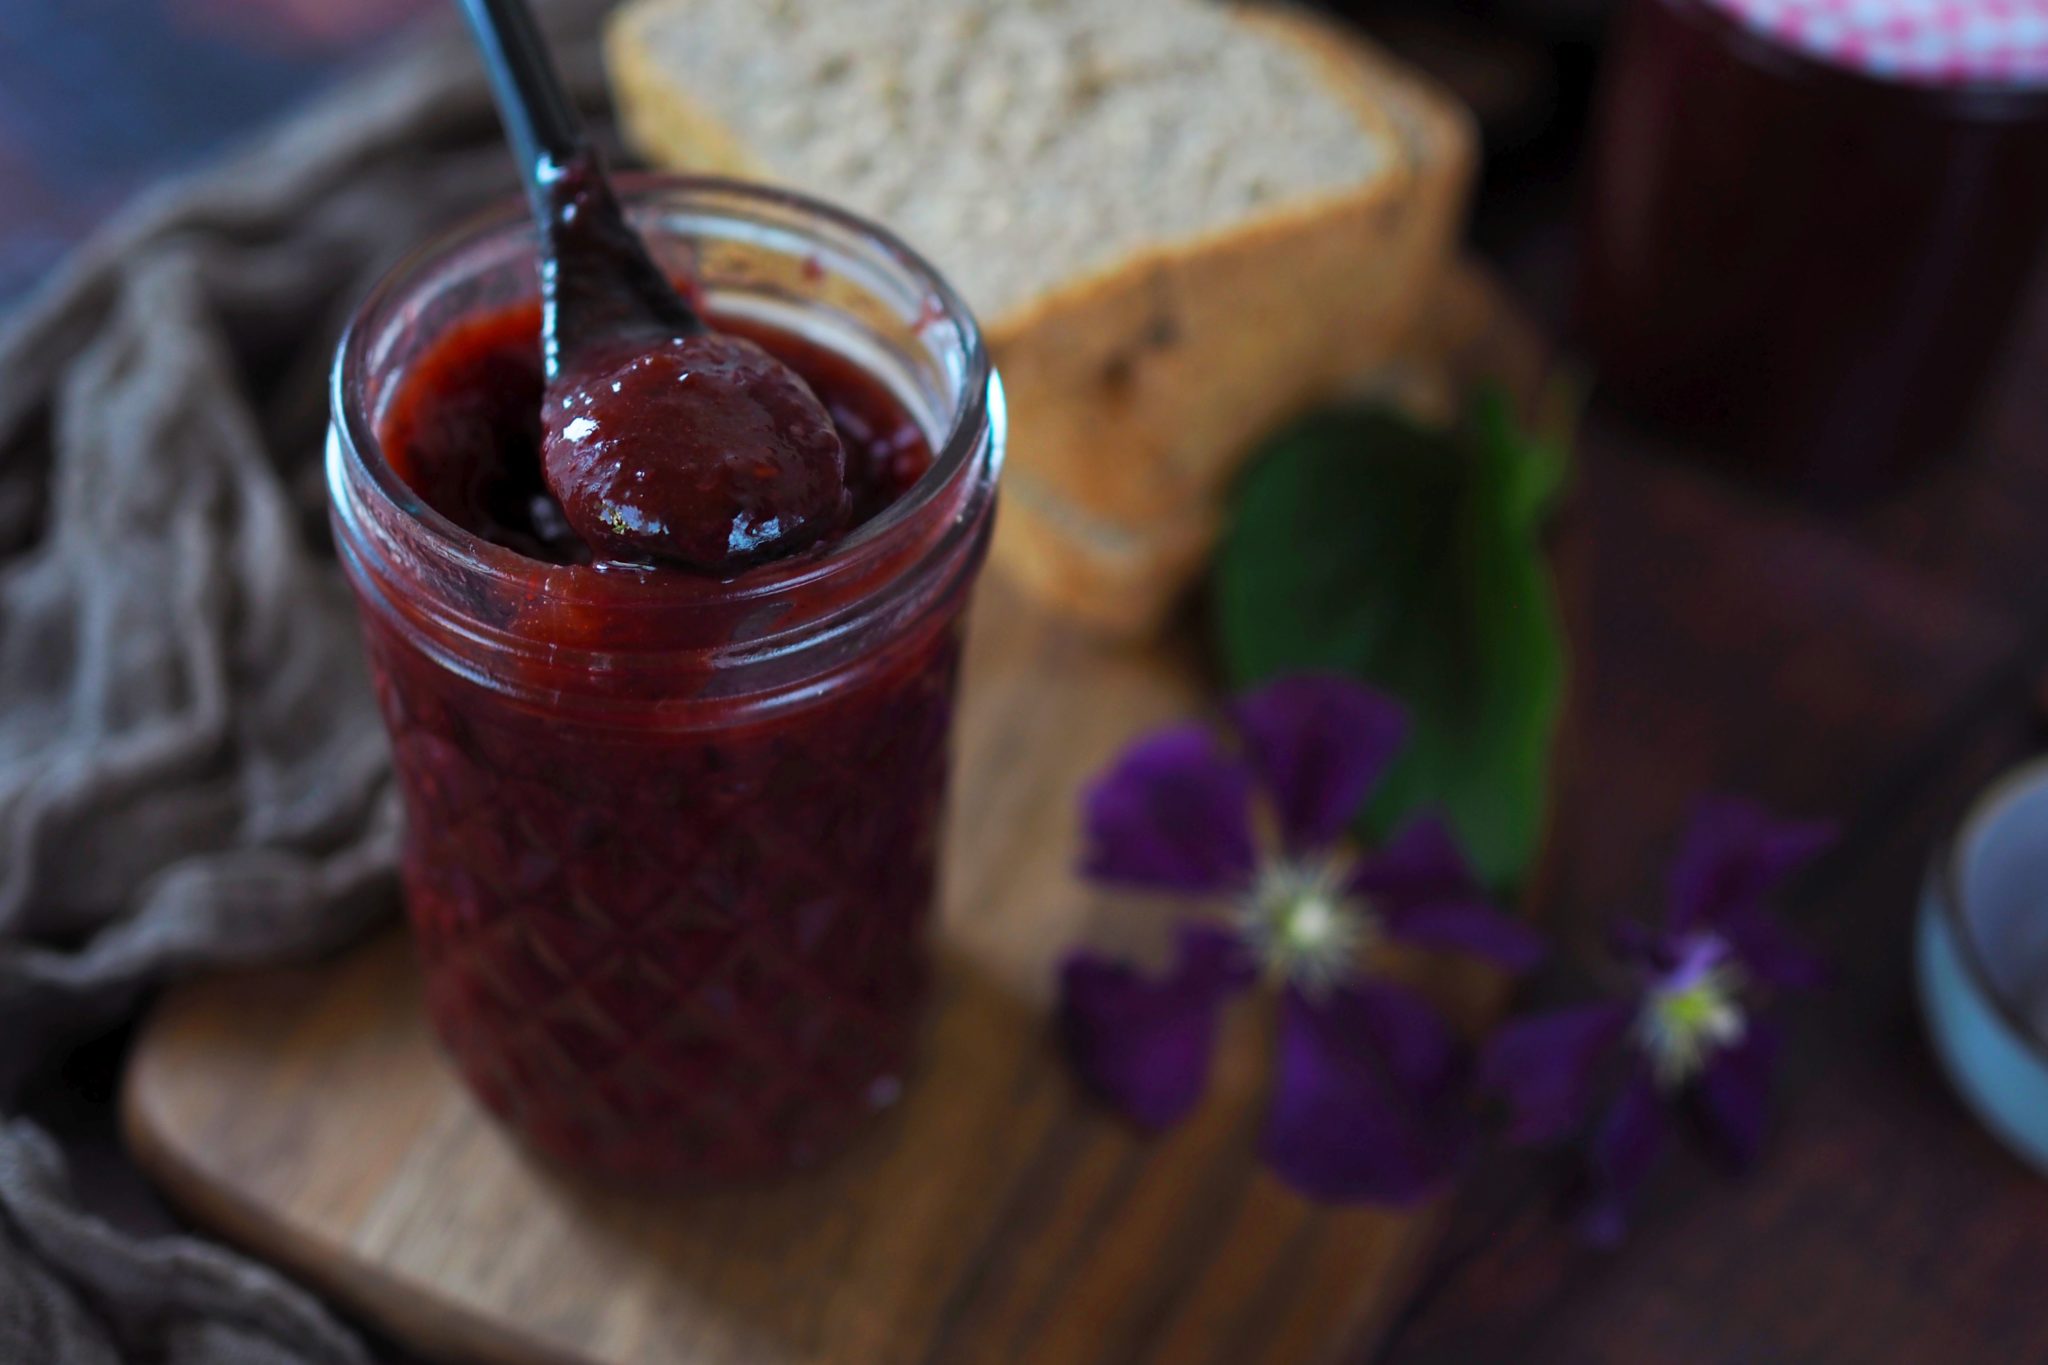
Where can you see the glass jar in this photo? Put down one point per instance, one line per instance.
(671, 843)
(1809, 268)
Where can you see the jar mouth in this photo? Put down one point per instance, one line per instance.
(978, 406)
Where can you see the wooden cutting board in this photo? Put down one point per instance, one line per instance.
(994, 1215)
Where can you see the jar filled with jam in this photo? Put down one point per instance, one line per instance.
(1809, 226)
(671, 839)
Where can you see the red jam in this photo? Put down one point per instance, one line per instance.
(665, 440)
(702, 450)
(465, 431)
(682, 937)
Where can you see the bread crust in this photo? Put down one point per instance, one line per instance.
(1136, 391)
(1117, 580)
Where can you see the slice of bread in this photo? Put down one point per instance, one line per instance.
(1123, 575)
(1179, 222)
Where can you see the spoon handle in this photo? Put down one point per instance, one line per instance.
(597, 280)
(546, 133)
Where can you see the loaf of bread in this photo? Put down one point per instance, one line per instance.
(1180, 223)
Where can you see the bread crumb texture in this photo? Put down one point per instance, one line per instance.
(1020, 143)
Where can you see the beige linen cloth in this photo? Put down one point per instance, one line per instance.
(191, 769)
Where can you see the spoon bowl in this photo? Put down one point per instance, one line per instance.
(665, 442)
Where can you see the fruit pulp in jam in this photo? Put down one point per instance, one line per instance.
(661, 948)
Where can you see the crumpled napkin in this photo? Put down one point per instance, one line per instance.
(73, 1291)
(192, 772)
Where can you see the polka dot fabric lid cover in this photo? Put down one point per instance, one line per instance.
(1926, 42)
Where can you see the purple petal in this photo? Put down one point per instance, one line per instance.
(1145, 1045)
(1768, 953)
(1172, 814)
(1319, 742)
(1734, 1094)
(1470, 927)
(1546, 1067)
(1420, 864)
(1624, 1151)
(1366, 1104)
(1734, 855)
(1687, 960)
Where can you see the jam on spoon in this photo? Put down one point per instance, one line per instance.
(663, 440)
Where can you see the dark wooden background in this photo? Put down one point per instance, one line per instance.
(1877, 664)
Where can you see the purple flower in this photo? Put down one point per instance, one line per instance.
(1370, 1084)
(1688, 1034)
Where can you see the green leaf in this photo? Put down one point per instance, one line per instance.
(1413, 559)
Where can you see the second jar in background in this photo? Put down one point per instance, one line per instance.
(1807, 267)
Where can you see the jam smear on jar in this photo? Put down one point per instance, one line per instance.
(663, 950)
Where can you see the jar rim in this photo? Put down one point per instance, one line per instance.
(954, 454)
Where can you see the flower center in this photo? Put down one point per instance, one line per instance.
(1694, 1012)
(1302, 926)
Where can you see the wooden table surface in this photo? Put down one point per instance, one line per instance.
(1878, 665)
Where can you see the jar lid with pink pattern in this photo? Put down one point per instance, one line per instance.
(1921, 42)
